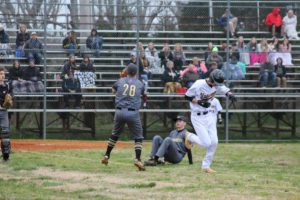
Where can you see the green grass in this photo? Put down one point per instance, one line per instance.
(244, 171)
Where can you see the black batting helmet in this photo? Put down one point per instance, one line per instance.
(217, 77)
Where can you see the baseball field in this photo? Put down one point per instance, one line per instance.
(72, 170)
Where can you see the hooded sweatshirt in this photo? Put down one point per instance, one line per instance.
(274, 18)
(91, 39)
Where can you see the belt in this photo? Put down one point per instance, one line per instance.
(129, 109)
(202, 113)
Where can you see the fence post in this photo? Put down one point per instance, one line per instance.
(115, 14)
(45, 73)
(210, 15)
(258, 14)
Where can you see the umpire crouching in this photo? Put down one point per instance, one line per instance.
(128, 92)
(172, 148)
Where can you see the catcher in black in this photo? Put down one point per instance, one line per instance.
(128, 101)
(5, 103)
(172, 148)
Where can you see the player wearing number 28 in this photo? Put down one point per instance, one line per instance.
(128, 92)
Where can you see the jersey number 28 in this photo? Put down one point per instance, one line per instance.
(131, 90)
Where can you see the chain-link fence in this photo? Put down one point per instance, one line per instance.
(123, 24)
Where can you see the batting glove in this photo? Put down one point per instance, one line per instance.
(232, 98)
(220, 121)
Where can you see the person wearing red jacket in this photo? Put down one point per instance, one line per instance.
(274, 22)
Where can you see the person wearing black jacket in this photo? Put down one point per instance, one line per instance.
(86, 65)
(95, 42)
(165, 55)
(32, 73)
(33, 48)
(21, 39)
(268, 70)
(174, 147)
(15, 73)
(71, 85)
(170, 78)
(71, 43)
(280, 71)
(69, 66)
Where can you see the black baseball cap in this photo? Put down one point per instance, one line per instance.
(180, 117)
(132, 69)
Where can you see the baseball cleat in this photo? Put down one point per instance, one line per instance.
(150, 162)
(139, 165)
(208, 170)
(105, 160)
(188, 144)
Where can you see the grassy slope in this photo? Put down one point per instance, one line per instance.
(244, 171)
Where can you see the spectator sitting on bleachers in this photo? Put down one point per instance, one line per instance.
(242, 66)
(144, 68)
(263, 49)
(232, 22)
(179, 57)
(254, 56)
(21, 39)
(214, 66)
(71, 85)
(285, 48)
(274, 51)
(32, 73)
(152, 56)
(165, 55)
(94, 42)
(222, 50)
(69, 66)
(233, 52)
(274, 22)
(33, 49)
(280, 73)
(86, 65)
(4, 42)
(214, 57)
(208, 50)
(267, 70)
(243, 50)
(233, 70)
(16, 72)
(71, 43)
(190, 76)
(290, 24)
(198, 67)
(170, 79)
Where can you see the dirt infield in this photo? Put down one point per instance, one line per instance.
(41, 145)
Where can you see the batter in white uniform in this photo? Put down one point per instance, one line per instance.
(200, 96)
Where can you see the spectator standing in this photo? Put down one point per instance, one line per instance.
(22, 37)
(71, 85)
(170, 79)
(32, 73)
(243, 50)
(179, 57)
(274, 22)
(263, 49)
(232, 22)
(214, 58)
(280, 71)
(33, 49)
(16, 72)
(94, 42)
(290, 24)
(145, 73)
(71, 43)
(208, 50)
(274, 51)
(4, 42)
(267, 70)
(165, 55)
(86, 65)
(253, 47)
(212, 68)
(285, 49)
(190, 76)
(69, 66)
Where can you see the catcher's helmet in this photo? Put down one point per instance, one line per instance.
(217, 77)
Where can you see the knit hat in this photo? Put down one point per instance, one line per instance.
(215, 49)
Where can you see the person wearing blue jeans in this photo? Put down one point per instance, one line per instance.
(33, 49)
(71, 43)
(267, 70)
(95, 42)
